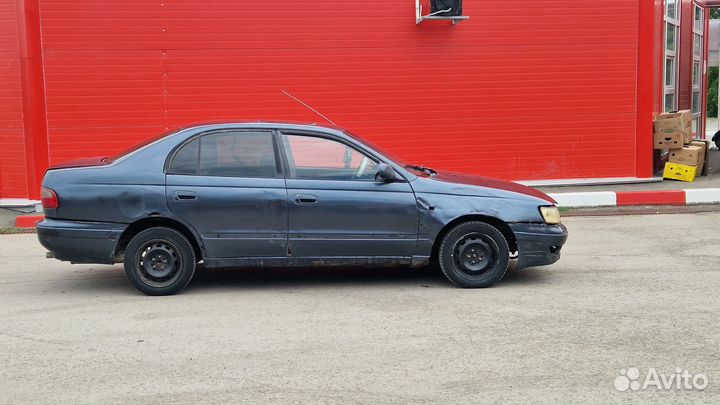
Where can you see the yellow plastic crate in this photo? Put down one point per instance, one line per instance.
(676, 171)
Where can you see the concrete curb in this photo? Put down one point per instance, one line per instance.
(630, 198)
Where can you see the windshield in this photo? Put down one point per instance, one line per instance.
(392, 156)
(417, 169)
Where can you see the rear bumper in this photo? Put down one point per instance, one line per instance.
(539, 244)
(80, 242)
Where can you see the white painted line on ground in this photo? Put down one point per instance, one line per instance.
(591, 199)
(702, 196)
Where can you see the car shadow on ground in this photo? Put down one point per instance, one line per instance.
(112, 279)
(293, 277)
(425, 277)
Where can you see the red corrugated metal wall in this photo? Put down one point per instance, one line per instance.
(527, 89)
(13, 179)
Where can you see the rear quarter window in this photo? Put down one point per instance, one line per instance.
(186, 160)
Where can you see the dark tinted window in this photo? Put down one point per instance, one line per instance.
(186, 159)
(237, 154)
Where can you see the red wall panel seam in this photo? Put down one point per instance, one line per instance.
(646, 76)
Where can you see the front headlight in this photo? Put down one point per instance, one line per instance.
(551, 215)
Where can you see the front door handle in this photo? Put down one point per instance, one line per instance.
(184, 196)
(302, 199)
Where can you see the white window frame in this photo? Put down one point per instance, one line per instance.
(671, 89)
(699, 59)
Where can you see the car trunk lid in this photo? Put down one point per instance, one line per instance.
(85, 162)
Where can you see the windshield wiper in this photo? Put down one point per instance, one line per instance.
(422, 168)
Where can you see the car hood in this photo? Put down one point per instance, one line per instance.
(471, 185)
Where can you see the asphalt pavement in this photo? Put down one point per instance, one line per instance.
(630, 292)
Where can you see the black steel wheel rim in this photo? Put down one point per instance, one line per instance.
(475, 254)
(158, 263)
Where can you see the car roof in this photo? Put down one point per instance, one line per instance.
(296, 126)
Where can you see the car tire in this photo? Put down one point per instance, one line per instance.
(474, 255)
(159, 261)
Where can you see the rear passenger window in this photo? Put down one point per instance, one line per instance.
(237, 154)
(186, 159)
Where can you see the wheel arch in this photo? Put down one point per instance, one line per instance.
(501, 226)
(151, 222)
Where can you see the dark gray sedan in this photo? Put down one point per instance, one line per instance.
(271, 194)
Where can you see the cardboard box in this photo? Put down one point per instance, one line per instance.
(688, 155)
(688, 136)
(668, 141)
(703, 145)
(668, 123)
(676, 171)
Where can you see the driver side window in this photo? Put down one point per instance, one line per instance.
(317, 158)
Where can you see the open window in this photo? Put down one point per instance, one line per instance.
(440, 10)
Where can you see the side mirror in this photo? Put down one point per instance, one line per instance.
(385, 174)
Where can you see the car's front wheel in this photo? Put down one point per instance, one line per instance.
(159, 261)
(474, 255)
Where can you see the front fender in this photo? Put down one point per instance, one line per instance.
(435, 211)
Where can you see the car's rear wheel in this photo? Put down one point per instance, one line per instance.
(474, 255)
(159, 261)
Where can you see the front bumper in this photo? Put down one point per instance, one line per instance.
(80, 242)
(539, 244)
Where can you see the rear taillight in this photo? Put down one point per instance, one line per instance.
(49, 198)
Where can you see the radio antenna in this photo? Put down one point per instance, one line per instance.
(310, 108)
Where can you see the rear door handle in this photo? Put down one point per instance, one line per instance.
(184, 196)
(305, 199)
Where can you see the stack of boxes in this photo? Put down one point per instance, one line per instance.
(686, 157)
